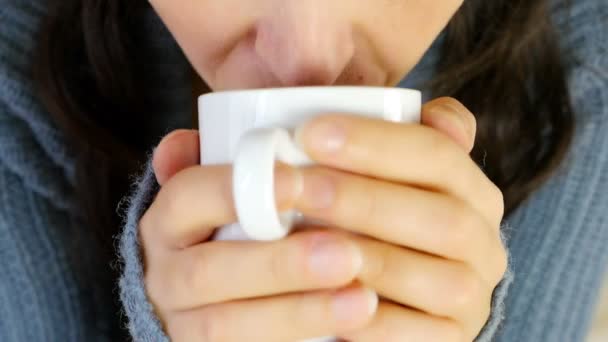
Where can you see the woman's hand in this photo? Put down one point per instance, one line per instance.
(240, 291)
(419, 226)
(427, 219)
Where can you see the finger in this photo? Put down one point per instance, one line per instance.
(197, 200)
(222, 271)
(430, 284)
(427, 221)
(403, 153)
(283, 318)
(177, 151)
(451, 117)
(395, 323)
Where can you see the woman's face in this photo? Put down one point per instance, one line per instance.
(237, 44)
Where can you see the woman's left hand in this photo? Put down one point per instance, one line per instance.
(424, 215)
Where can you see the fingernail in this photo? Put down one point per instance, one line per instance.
(318, 191)
(288, 185)
(321, 135)
(353, 302)
(332, 258)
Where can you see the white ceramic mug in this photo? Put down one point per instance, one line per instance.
(252, 129)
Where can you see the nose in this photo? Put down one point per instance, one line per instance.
(304, 43)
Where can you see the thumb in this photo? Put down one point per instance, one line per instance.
(177, 151)
(451, 117)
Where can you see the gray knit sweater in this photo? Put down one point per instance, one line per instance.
(53, 289)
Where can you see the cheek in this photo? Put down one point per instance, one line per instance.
(206, 30)
(408, 30)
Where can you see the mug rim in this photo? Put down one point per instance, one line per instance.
(290, 91)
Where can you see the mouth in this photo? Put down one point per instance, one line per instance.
(242, 68)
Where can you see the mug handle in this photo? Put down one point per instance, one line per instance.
(253, 181)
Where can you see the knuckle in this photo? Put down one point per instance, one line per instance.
(279, 259)
(498, 201)
(170, 195)
(465, 290)
(466, 221)
(503, 261)
(497, 195)
(485, 313)
(191, 274)
(155, 284)
(153, 289)
(183, 327)
(151, 275)
(463, 225)
(168, 201)
(501, 264)
(377, 265)
(314, 307)
(183, 277)
(289, 260)
(311, 311)
(449, 156)
(174, 330)
(169, 205)
(442, 146)
(154, 224)
(448, 331)
(295, 264)
(368, 211)
(213, 324)
(146, 232)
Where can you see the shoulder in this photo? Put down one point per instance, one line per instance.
(582, 29)
(582, 25)
(31, 146)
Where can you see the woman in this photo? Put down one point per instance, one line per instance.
(88, 87)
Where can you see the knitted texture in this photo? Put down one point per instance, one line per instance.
(53, 288)
(143, 324)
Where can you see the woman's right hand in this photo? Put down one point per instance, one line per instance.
(296, 288)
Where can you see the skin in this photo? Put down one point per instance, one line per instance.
(418, 252)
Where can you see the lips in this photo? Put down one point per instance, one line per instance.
(243, 68)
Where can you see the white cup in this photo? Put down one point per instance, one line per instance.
(251, 129)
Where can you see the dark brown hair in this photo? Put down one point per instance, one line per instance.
(500, 58)
(85, 80)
